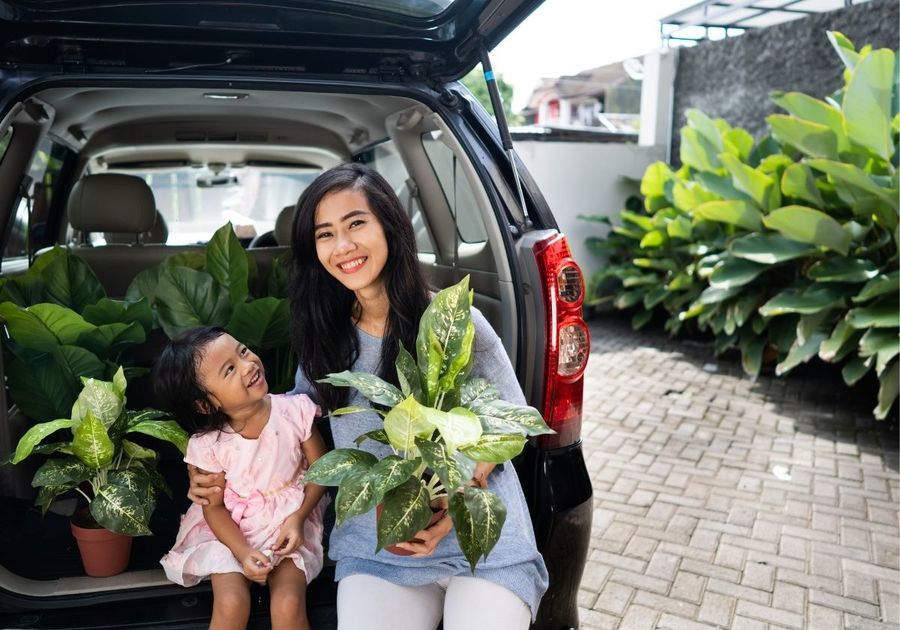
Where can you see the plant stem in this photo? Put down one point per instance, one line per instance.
(84, 495)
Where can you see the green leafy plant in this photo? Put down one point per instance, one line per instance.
(784, 246)
(115, 475)
(439, 424)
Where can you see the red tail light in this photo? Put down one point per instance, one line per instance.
(568, 341)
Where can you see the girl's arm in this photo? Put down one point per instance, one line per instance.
(256, 565)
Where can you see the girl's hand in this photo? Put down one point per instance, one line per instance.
(256, 566)
(205, 487)
(290, 536)
(426, 541)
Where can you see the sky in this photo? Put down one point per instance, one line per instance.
(567, 36)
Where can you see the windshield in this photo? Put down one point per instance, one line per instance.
(196, 202)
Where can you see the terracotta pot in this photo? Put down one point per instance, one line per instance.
(103, 553)
(436, 514)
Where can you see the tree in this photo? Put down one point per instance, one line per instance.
(475, 83)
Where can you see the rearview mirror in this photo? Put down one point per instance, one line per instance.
(217, 181)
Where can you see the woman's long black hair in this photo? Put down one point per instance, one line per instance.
(322, 309)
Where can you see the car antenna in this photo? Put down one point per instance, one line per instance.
(500, 117)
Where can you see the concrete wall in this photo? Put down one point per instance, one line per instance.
(732, 78)
(586, 178)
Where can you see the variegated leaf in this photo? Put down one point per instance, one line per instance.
(137, 479)
(455, 371)
(459, 427)
(390, 472)
(370, 386)
(478, 390)
(405, 422)
(91, 443)
(408, 374)
(119, 510)
(378, 435)
(453, 469)
(478, 516)
(443, 333)
(496, 449)
(61, 472)
(343, 411)
(136, 451)
(406, 512)
(35, 434)
(499, 416)
(333, 466)
(101, 398)
(356, 495)
(166, 430)
(47, 495)
(137, 417)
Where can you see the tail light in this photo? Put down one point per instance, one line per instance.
(568, 341)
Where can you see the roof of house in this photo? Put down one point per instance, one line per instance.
(592, 82)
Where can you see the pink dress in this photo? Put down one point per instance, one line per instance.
(263, 486)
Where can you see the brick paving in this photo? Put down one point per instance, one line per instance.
(724, 502)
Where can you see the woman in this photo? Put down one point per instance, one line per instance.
(356, 292)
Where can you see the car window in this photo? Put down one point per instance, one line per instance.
(385, 159)
(44, 174)
(196, 202)
(456, 187)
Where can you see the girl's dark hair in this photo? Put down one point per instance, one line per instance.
(322, 308)
(177, 384)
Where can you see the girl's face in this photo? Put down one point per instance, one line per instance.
(233, 377)
(350, 241)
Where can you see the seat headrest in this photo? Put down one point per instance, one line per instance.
(112, 202)
(158, 234)
(284, 224)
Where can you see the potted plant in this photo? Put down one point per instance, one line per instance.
(439, 424)
(116, 476)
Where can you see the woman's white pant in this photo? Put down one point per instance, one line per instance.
(365, 602)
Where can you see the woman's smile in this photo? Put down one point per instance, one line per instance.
(352, 266)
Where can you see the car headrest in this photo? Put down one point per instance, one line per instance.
(158, 234)
(112, 202)
(283, 225)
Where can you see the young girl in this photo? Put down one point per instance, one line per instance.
(263, 444)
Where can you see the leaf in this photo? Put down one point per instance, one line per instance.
(738, 142)
(654, 238)
(842, 270)
(407, 421)
(136, 451)
(844, 48)
(444, 341)
(496, 449)
(186, 298)
(48, 494)
(735, 272)
(752, 353)
(867, 103)
(715, 295)
(379, 435)
(137, 479)
(102, 399)
(144, 286)
(653, 182)
(680, 227)
(345, 411)
(721, 185)
(370, 386)
(798, 182)
(853, 176)
(800, 353)
(42, 388)
(499, 416)
(760, 187)
(706, 127)
(408, 374)
(811, 138)
(842, 340)
(262, 323)
(453, 469)
(876, 316)
(390, 472)
(406, 512)
(630, 298)
(698, 152)
(478, 517)
(355, 496)
(887, 391)
(809, 226)
(91, 443)
(110, 339)
(885, 283)
(226, 262)
(640, 319)
(70, 282)
(478, 390)
(105, 311)
(36, 434)
(458, 427)
(165, 430)
(333, 466)
(740, 213)
(811, 300)
(769, 249)
(884, 343)
(43, 327)
(61, 472)
(134, 418)
(855, 369)
(813, 110)
(119, 510)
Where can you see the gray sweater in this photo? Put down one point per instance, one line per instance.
(514, 562)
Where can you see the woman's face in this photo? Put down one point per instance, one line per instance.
(350, 242)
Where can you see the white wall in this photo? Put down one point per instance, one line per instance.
(586, 178)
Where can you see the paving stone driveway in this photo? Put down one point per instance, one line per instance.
(726, 503)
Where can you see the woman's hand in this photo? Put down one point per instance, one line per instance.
(426, 541)
(205, 487)
(256, 566)
(290, 536)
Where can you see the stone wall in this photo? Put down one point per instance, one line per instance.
(732, 78)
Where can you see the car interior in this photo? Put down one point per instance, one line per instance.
(129, 176)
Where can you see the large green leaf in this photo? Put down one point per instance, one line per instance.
(103, 399)
(855, 369)
(108, 340)
(809, 226)
(800, 353)
(478, 390)
(759, 186)
(706, 127)
(798, 182)
(867, 103)
(851, 175)
(60, 472)
(883, 343)
(656, 176)
(813, 110)
(22, 291)
(333, 466)
(138, 480)
(406, 512)
(740, 213)
(144, 285)
(47, 495)
(408, 374)
(883, 284)
(36, 434)
(735, 272)
(769, 249)
(689, 195)
(478, 516)
(136, 451)
(843, 340)
(262, 323)
(69, 281)
(453, 469)
(811, 138)
(698, 152)
(186, 298)
(843, 270)
(405, 422)
(91, 443)
(715, 295)
(42, 388)
(43, 327)
(226, 262)
(390, 472)
(499, 416)
(876, 316)
(844, 48)
(370, 386)
(738, 142)
(166, 430)
(887, 391)
(751, 354)
(721, 185)
(811, 300)
(119, 509)
(496, 449)
(458, 427)
(355, 496)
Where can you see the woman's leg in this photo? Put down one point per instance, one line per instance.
(287, 597)
(231, 601)
(477, 603)
(365, 601)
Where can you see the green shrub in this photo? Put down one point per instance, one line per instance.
(788, 243)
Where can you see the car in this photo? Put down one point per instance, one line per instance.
(224, 111)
